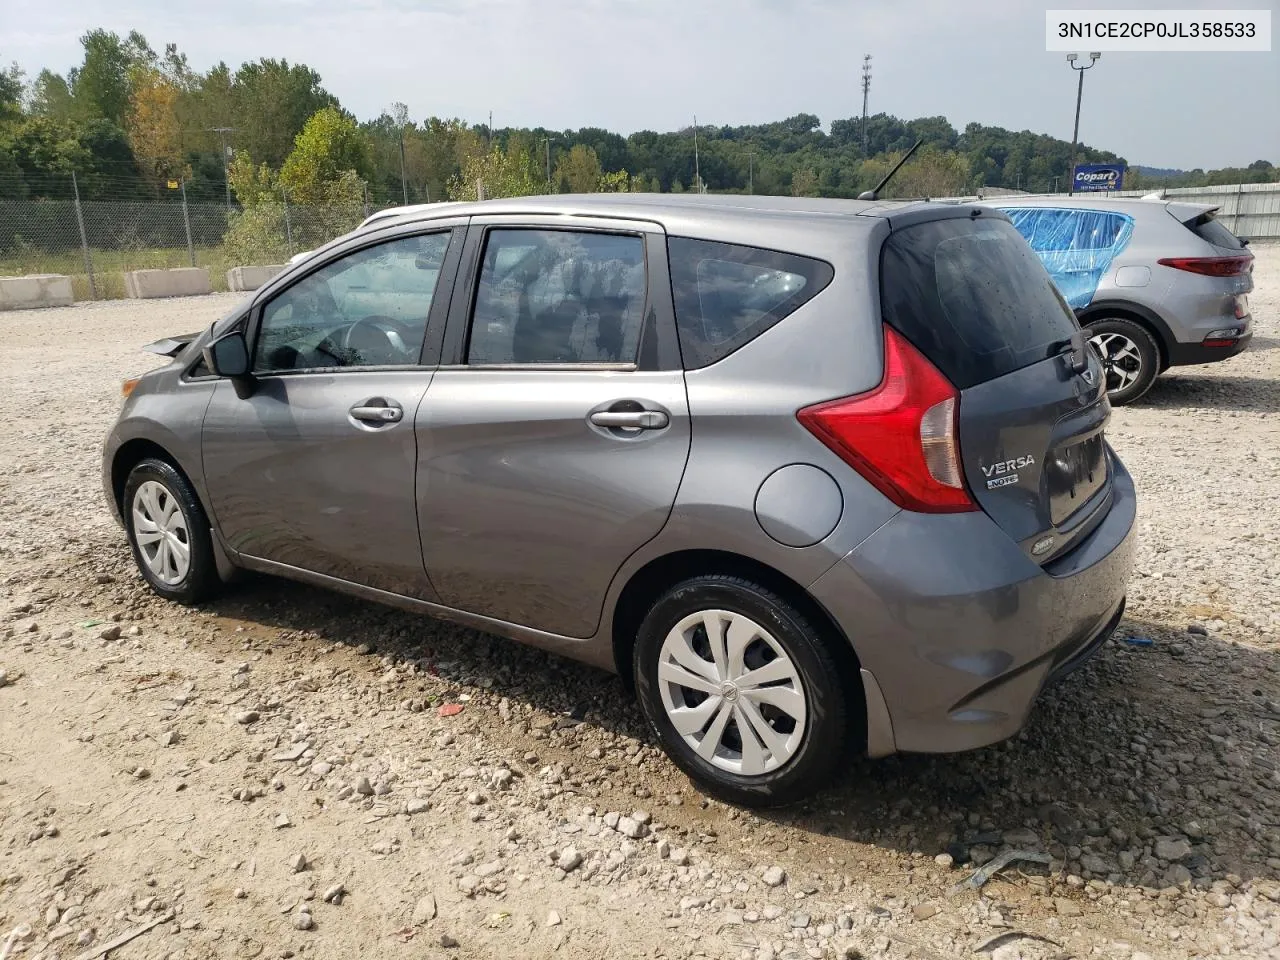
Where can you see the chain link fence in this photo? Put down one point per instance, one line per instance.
(95, 242)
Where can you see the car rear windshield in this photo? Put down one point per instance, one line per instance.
(1207, 227)
(973, 297)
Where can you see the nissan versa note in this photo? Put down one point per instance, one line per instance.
(812, 476)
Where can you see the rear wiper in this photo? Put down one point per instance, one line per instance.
(1073, 346)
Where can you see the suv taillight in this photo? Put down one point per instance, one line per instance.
(1210, 266)
(902, 435)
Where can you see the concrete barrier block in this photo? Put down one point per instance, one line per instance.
(180, 282)
(36, 290)
(251, 278)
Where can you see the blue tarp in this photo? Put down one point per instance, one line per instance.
(1076, 246)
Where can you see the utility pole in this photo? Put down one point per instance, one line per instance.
(489, 143)
(401, 118)
(546, 142)
(222, 144)
(1075, 133)
(866, 91)
(697, 176)
(751, 172)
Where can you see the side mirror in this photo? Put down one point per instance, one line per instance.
(228, 356)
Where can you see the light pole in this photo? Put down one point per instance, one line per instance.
(1075, 133)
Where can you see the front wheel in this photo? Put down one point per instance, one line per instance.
(742, 691)
(1129, 355)
(168, 532)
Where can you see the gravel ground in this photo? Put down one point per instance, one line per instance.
(273, 775)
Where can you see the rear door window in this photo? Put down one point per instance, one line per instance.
(973, 297)
(727, 294)
(558, 296)
(1076, 246)
(1207, 227)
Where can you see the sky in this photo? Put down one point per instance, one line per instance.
(630, 65)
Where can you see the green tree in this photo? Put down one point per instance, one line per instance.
(502, 174)
(330, 147)
(271, 101)
(804, 183)
(101, 86)
(578, 171)
(11, 87)
(51, 96)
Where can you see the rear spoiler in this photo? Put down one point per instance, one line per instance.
(1188, 213)
(170, 346)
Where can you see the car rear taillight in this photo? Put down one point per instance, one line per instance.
(1210, 266)
(902, 435)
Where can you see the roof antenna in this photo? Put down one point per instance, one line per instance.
(874, 194)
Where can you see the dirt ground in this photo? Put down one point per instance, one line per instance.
(271, 775)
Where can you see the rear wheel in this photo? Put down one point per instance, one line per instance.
(741, 690)
(169, 533)
(1130, 357)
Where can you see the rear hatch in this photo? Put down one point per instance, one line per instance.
(970, 294)
(1224, 255)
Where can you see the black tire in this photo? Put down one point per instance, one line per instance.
(1115, 368)
(201, 579)
(821, 750)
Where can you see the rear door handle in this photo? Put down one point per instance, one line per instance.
(369, 412)
(631, 419)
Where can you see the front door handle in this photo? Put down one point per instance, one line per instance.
(631, 419)
(372, 411)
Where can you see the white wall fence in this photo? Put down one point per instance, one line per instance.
(1249, 210)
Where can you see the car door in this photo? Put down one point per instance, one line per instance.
(553, 438)
(315, 470)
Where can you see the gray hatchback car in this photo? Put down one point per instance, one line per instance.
(812, 476)
(1155, 283)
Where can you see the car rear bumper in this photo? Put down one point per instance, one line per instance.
(958, 631)
(1187, 354)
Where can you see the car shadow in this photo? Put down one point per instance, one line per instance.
(1263, 343)
(1096, 767)
(1112, 757)
(1254, 394)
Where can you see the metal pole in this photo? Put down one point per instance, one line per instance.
(84, 240)
(751, 172)
(288, 226)
(222, 144)
(404, 183)
(186, 222)
(1075, 133)
(866, 91)
(697, 176)
(546, 142)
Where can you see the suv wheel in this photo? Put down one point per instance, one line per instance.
(169, 533)
(741, 691)
(1129, 355)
